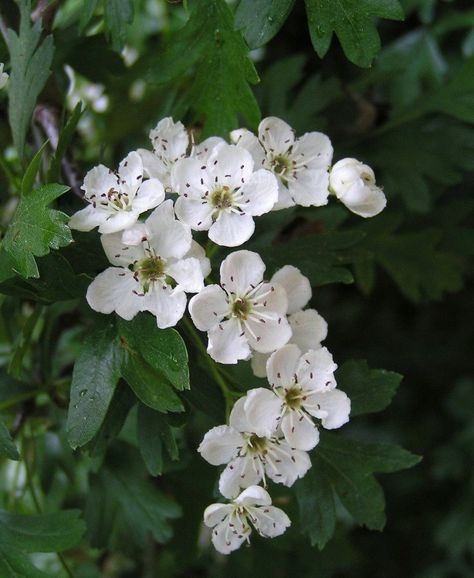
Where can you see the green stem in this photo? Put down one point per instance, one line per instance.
(212, 366)
(34, 497)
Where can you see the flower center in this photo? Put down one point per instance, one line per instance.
(293, 397)
(367, 178)
(257, 445)
(281, 165)
(241, 308)
(222, 198)
(118, 200)
(149, 270)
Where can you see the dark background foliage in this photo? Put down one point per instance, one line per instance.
(396, 290)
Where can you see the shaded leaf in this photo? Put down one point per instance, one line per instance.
(260, 21)
(117, 15)
(7, 447)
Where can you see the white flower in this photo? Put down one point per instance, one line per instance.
(250, 458)
(353, 183)
(244, 312)
(303, 387)
(301, 164)
(153, 268)
(231, 522)
(222, 194)
(170, 142)
(309, 329)
(3, 76)
(116, 199)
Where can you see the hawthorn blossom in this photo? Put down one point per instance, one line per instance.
(152, 273)
(250, 458)
(222, 194)
(170, 142)
(242, 314)
(303, 387)
(116, 200)
(353, 183)
(232, 523)
(309, 329)
(3, 76)
(301, 164)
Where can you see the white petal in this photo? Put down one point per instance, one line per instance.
(187, 273)
(260, 193)
(220, 445)
(246, 139)
(299, 432)
(199, 253)
(290, 464)
(167, 305)
(363, 200)
(131, 173)
(270, 521)
(331, 407)
(215, 513)
(296, 285)
(135, 236)
(226, 344)
(346, 172)
(239, 473)
(262, 408)
(254, 496)
(281, 366)
(316, 150)
(310, 188)
(316, 369)
(113, 290)
(149, 195)
(230, 165)
(271, 297)
(231, 229)
(241, 270)
(209, 307)
(118, 253)
(205, 148)
(170, 139)
(276, 135)
(153, 166)
(169, 237)
(285, 200)
(186, 177)
(88, 218)
(227, 540)
(195, 213)
(119, 221)
(309, 329)
(98, 182)
(267, 335)
(238, 419)
(259, 363)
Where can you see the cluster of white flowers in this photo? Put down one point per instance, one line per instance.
(221, 188)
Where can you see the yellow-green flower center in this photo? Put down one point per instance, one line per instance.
(149, 270)
(293, 397)
(241, 308)
(222, 198)
(257, 445)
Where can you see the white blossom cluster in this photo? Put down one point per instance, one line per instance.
(146, 212)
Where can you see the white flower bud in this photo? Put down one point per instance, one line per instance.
(353, 183)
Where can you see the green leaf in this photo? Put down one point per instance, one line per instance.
(346, 468)
(15, 564)
(149, 385)
(149, 434)
(65, 138)
(353, 23)
(35, 229)
(370, 390)
(43, 533)
(30, 68)
(117, 15)
(260, 21)
(86, 13)
(32, 170)
(94, 379)
(319, 257)
(163, 349)
(7, 447)
(121, 498)
(219, 90)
